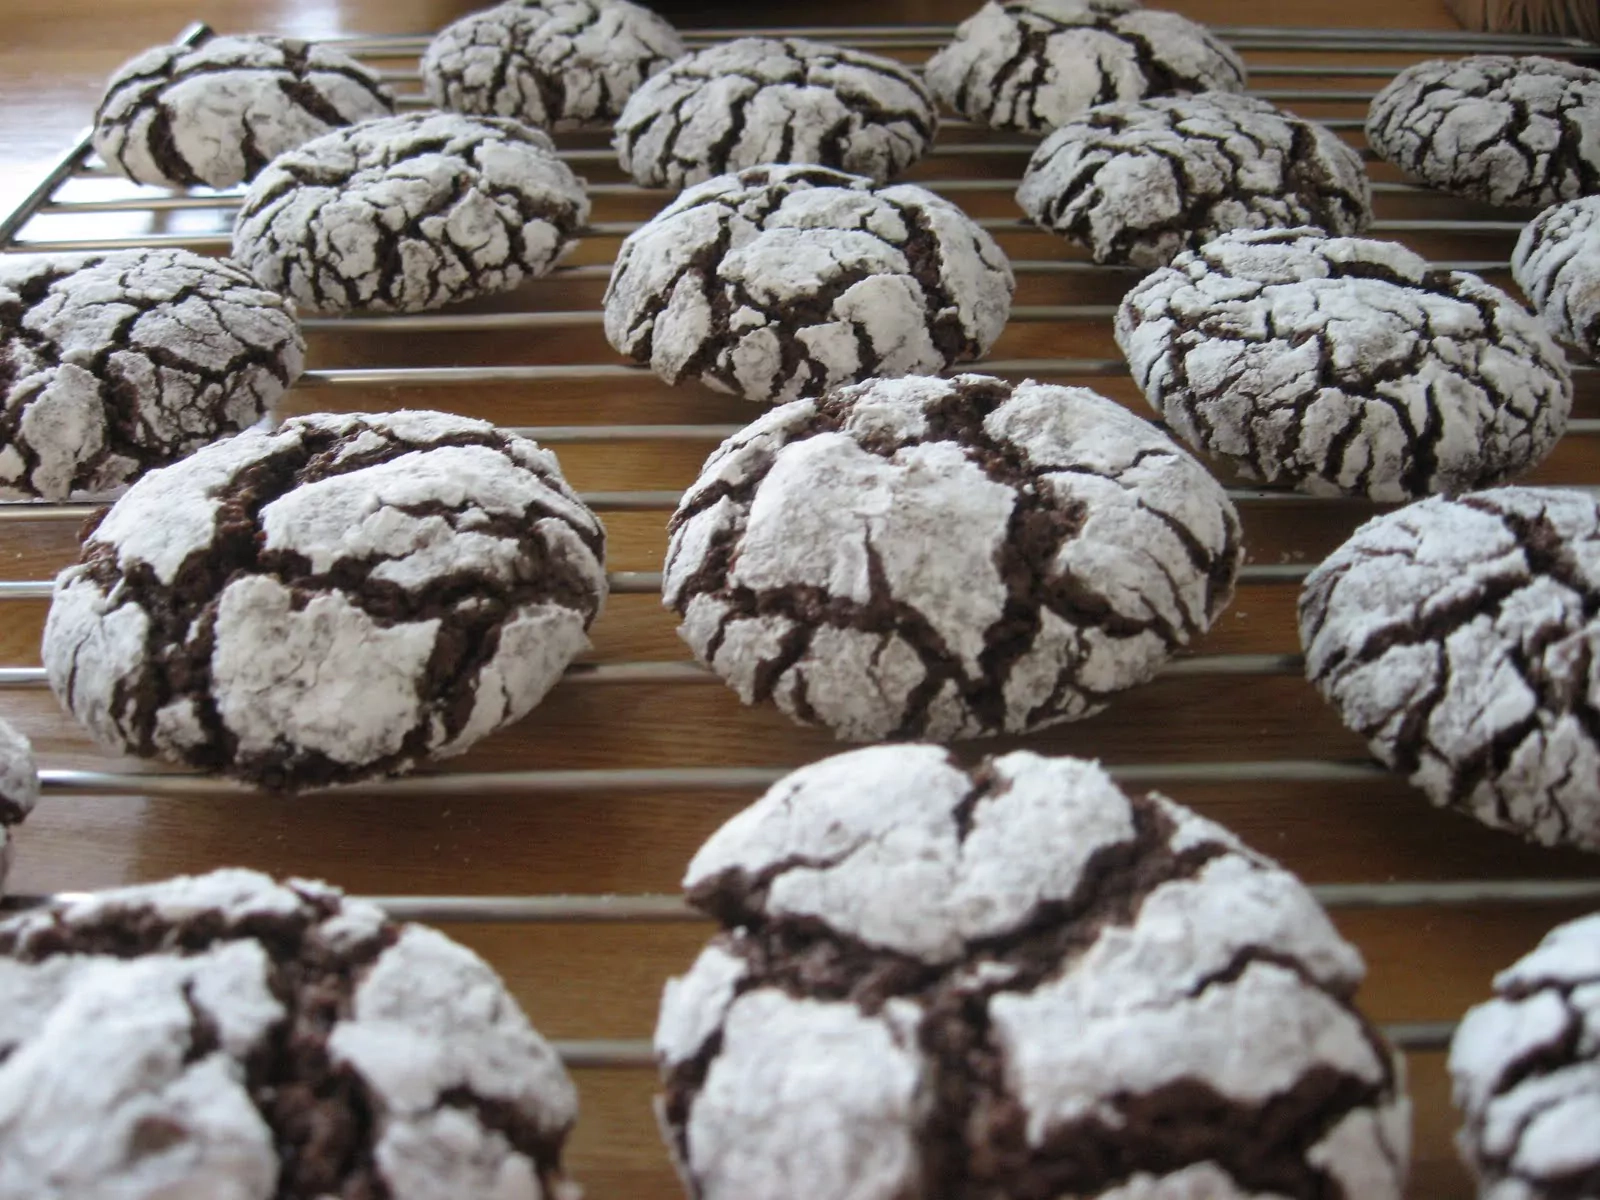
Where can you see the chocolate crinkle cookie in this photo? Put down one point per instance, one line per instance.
(947, 558)
(19, 788)
(342, 598)
(550, 63)
(1557, 265)
(1526, 1069)
(1344, 366)
(1014, 980)
(1508, 131)
(1138, 181)
(785, 280)
(1032, 65)
(764, 100)
(216, 113)
(226, 1036)
(1457, 637)
(410, 213)
(112, 364)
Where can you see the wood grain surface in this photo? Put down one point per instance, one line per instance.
(602, 981)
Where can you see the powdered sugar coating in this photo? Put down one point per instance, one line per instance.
(112, 364)
(1556, 263)
(906, 941)
(216, 113)
(1138, 181)
(343, 597)
(782, 281)
(1456, 636)
(1034, 65)
(553, 64)
(924, 557)
(228, 1036)
(409, 213)
(19, 788)
(760, 100)
(1504, 130)
(1344, 366)
(1526, 1071)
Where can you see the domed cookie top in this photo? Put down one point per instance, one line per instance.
(341, 598)
(1526, 1068)
(1504, 130)
(1014, 980)
(1138, 181)
(1456, 637)
(761, 100)
(19, 788)
(1032, 65)
(410, 213)
(780, 281)
(939, 558)
(228, 1036)
(1557, 265)
(549, 63)
(217, 113)
(1342, 365)
(111, 364)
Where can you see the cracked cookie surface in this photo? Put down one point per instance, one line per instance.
(1508, 131)
(758, 100)
(1139, 181)
(552, 64)
(938, 983)
(937, 558)
(1556, 263)
(338, 599)
(224, 1035)
(1344, 366)
(217, 113)
(1033, 65)
(1458, 636)
(113, 364)
(19, 788)
(784, 280)
(1526, 1075)
(409, 213)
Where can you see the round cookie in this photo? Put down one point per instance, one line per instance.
(1344, 366)
(1557, 265)
(947, 558)
(215, 114)
(1456, 636)
(223, 1035)
(19, 788)
(785, 280)
(1508, 131)
(410, 213)
(1033, 65)
(111, 364)
(1527, 1074)
(1138, 181)
(552, 64)
(1014, 980)
(342, 598)
(761, 100)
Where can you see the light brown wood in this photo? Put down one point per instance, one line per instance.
(581, 982)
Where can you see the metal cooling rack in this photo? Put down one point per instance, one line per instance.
(1000, 159)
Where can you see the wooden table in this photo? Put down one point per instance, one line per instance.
(590, 981)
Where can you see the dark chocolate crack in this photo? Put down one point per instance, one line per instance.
(325, 1119)
(288, 94)
(1040, 525)
(1508, 123)
(161, 391)
(670, 135)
